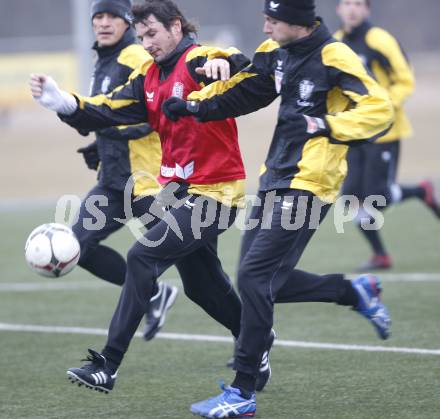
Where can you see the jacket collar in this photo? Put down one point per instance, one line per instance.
(308, 44)
(358, 31)
(128, 39)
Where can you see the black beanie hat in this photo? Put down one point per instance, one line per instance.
(295, 12)
(121, 8)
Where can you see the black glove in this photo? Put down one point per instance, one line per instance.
(91, 156)
(83, 132)
(174, 108)
(111, 133)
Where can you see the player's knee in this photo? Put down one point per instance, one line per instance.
(246, 270)
(87, 244)
(140, 269)
(138, 262)
(134, 256)
(86, 253)
(246, 281)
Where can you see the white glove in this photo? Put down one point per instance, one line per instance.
(45, 91)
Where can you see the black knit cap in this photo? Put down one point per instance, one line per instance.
(295, 12)
(121, 8)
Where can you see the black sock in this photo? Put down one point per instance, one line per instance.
(412, 192)
(113, 357)
(373, 237)
(245, 383)
(349, 296)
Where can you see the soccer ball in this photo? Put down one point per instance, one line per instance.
(52, 250)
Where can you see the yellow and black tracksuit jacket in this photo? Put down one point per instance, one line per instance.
(315, 76)
(126, 105)
(124, 150)
(385, 59)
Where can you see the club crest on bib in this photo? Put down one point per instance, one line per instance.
(178, 90)
(279, 75)
(306, 88)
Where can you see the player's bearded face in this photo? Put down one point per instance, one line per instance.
(108, 29)
(157, 40)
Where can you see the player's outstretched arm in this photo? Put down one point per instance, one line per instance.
(251, 88)
(46, 92)
(208, 64)
(244, 93)
(123, 106)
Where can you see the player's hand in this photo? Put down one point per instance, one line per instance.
(45, 91)
(91, 156)
(36, 83)
(174, 108)
(216, 69)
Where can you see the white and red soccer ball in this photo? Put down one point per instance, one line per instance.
(52, 250)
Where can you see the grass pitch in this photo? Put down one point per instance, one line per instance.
(162, 378)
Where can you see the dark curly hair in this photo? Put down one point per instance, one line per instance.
(165, 11)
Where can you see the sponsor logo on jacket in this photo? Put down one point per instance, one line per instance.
(183, 172)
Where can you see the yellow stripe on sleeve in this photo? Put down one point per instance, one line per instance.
(133, 56)
(104, 100)
(220, 87)
(99, 100)
(268, 46)
(211, 53)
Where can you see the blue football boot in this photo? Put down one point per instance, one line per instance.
(229, 404)
(368, 288)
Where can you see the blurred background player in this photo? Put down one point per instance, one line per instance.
(119, 153)
(372, 168)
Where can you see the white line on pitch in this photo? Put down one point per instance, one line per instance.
(50, 286)
(410, 277)
(63, 285)
(219, 339)
(66, 285)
